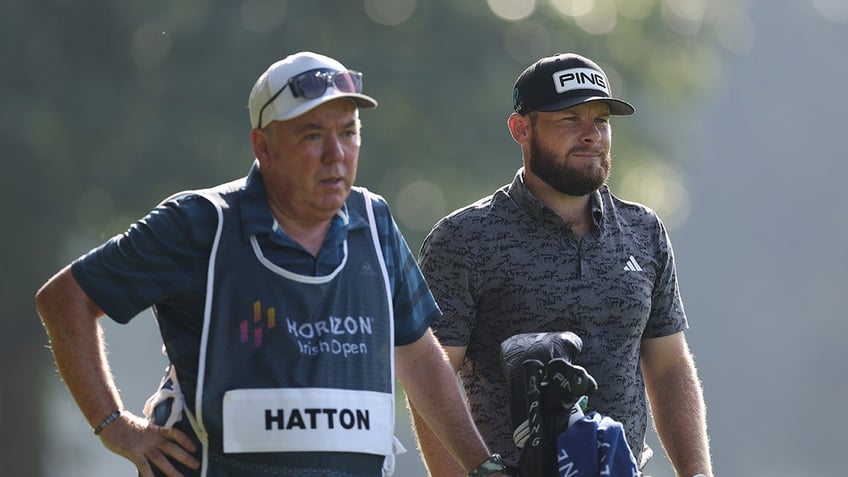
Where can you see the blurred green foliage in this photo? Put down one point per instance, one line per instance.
(110, 106)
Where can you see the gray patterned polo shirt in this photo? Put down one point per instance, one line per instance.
(508, 264)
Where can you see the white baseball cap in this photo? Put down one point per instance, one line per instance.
(300, 82)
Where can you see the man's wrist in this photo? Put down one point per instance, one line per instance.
(105, 422)
(493, 464)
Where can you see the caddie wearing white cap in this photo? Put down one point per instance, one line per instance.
(288, 302)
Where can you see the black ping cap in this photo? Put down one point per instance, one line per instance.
(561, 81)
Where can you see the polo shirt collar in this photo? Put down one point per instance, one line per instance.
(521, 194)
(256, 217)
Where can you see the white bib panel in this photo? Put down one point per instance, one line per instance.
(308, 419)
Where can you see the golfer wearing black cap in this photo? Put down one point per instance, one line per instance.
(555, 250)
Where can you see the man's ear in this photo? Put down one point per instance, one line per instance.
(259, 140)
(519, 127)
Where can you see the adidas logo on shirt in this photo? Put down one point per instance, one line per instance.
(632, 265)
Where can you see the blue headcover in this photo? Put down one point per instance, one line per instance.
(592, 446)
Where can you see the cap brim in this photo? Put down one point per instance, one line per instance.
(617, 106)
(362, 101)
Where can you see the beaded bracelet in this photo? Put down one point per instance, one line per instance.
(109, 420)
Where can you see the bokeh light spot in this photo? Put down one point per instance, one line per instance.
(601, 20)
(512, 10)
(659, 187)
(684, 17)
(390, 12)
(573, 8)
(419, 205)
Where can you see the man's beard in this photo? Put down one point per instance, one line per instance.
(563, 177)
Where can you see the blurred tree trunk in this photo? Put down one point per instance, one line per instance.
(22, 395)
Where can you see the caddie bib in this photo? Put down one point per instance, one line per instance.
(295, 371)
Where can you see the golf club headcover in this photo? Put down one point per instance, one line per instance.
(544, 347)
(564, 384)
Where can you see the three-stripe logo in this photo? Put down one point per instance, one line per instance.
(632, 265)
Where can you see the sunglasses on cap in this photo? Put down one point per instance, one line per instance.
(313, 84)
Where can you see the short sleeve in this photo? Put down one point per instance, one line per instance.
(161, 256)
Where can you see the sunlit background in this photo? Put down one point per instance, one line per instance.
(110, 106)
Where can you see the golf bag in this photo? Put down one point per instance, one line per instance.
(547, 395)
